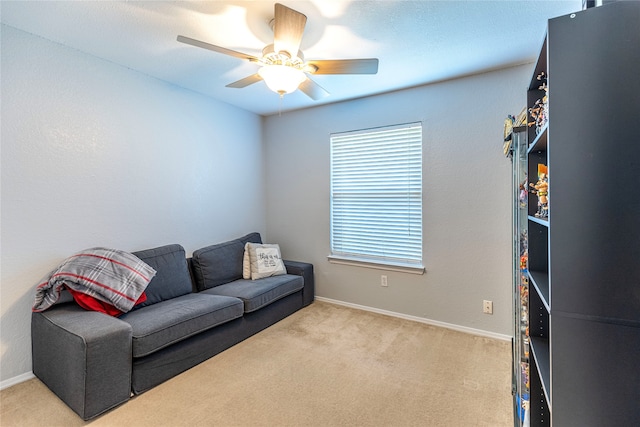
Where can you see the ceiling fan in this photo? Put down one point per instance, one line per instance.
(282, 65)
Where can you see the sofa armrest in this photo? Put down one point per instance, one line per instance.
(305, 270)
(84, 357)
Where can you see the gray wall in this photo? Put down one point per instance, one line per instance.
(94, 154)
(467, 243)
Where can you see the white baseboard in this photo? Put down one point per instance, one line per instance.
(16, 380)
(465, 329)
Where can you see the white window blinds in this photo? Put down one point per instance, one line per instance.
(376, 194)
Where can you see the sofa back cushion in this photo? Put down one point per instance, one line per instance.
(218, 264)
(172, 278)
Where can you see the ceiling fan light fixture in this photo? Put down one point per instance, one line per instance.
(282, 69)
(281, 79)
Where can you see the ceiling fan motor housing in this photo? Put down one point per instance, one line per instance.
(271, 57)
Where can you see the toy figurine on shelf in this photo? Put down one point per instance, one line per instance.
(524, 250)
(509, 123)
(541, 189)
(524, 310)
(507, 147)
(540, 111)
(525, 374)
(523, 194)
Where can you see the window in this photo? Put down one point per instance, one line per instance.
(376, 197)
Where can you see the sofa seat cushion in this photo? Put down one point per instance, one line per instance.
(167, 322)
(258, 293)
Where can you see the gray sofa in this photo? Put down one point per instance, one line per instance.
(195, 308)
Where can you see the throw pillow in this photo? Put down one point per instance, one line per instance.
(264, 260)
(246, 264)
(94, 304)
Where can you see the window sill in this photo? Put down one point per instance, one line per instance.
(380, 265)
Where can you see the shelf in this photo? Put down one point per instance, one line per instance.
(538, 402)
(540, 281)
(540, 141)
(538, 316)
(540, 350)
(539, 259)
(541, 221)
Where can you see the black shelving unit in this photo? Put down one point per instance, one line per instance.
(584, 258)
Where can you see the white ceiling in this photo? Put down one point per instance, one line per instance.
(417, 42)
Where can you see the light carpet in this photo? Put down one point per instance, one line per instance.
(326, 365)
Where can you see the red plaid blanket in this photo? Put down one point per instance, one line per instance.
(109, 275)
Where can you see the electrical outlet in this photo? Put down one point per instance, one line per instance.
(487, 307)
(383, 281)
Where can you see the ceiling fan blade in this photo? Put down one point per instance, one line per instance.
(312, 89)
(246, 81)
(288, 28)
(344, 66)
(204, 45)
